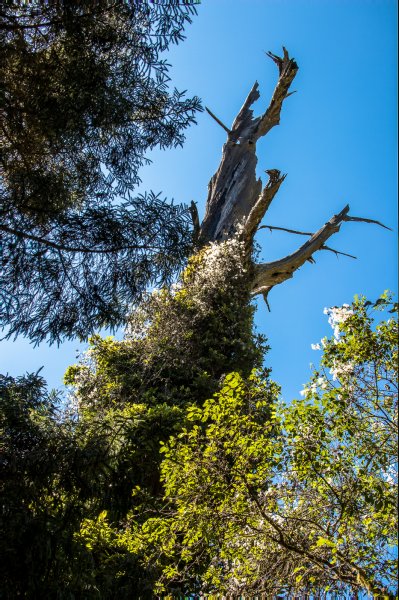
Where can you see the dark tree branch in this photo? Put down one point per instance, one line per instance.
(272, 227)
(337, 252)
(82, 249)
(363, 220)
(217, 120)
(195, 219)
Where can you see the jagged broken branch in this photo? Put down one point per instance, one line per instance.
(236, 197)
(262, 204)
(234, 190)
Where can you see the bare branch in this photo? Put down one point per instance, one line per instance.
(278, 60)
(269, 274)
(287, 68)
(272, 227)
(244, 121)
(265, 294)
(336, 252)
(245, 126)
(362, 220)
(217, 120)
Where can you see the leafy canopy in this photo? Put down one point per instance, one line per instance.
(102, 461)
(262, 497)
(179, 470)
(85, 96)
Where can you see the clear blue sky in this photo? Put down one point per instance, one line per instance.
(336, 141)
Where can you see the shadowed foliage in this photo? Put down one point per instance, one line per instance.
(85, 94)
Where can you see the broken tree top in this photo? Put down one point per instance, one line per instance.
(237, 197)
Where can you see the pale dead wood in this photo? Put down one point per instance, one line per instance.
(287, 69)
(273, 273)
(363, 220)
(234, 189)
(261, 205)
(237, 198)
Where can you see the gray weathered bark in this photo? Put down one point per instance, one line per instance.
(235, 194)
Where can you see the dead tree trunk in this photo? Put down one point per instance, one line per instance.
(237, 199)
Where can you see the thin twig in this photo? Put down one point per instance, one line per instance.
(82, 249)
(285, 229)
(217, 120)
(336, 252)
(362, 220)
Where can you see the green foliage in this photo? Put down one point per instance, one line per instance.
(103, 478)
(36, 453)
(58, 476)
(344, 447)
(180, 342)
(178, 347)
(84, 96)
(85, 271)
(226, 451)
(180, 471)
(266, 498)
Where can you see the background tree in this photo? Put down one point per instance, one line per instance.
(57, 474)
(85, 95)
(37, 467)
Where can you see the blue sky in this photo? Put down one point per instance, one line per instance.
(337, 142)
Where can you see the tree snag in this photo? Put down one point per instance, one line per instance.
(237, 198)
